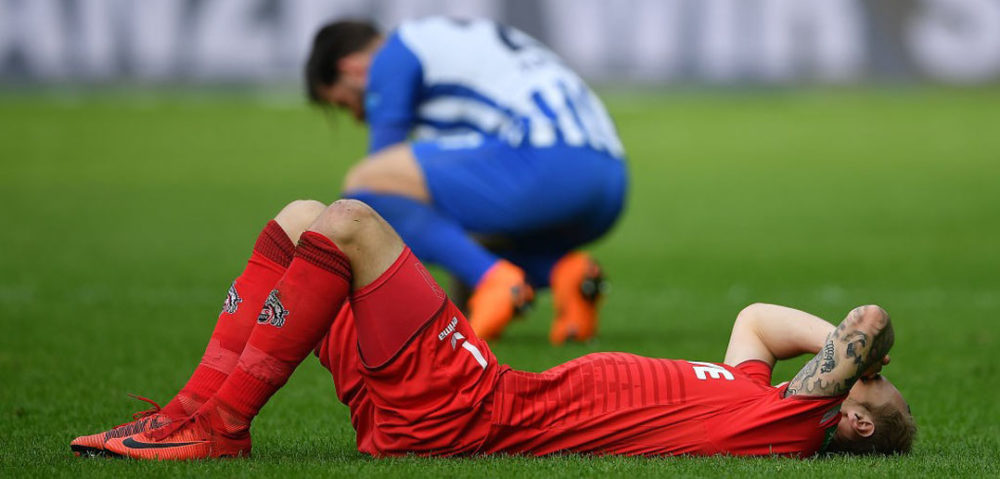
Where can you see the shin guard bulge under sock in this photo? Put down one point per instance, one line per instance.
(296, 315)
(271, 255)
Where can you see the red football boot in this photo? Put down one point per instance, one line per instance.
(502, 294)
(577, 285)
(211, 432)
(142, 421)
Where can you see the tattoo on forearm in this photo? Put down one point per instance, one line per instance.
(829, 362)
(856, 342)
(847, 345)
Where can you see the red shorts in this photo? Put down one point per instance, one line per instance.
(430, 390)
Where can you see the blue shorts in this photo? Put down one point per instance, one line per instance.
(540, 202)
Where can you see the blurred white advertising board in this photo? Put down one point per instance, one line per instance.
(632, 41)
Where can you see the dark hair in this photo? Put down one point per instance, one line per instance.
(334, 41)
(894, 433)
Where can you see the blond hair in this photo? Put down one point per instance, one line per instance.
(894, 433)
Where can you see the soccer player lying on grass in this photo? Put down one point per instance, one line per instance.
(418, 380)
(479, 131)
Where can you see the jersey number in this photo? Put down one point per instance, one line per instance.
(506, 36)
(457, 337)
(704, 371)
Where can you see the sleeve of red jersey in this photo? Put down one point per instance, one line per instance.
(758, 371)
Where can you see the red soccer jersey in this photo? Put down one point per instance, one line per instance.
(616, 403)
(442, 392)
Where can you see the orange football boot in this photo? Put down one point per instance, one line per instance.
(93, 445)
(502, 293)
(577, 285)
(195, 438)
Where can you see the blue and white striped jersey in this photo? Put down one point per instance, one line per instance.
(437, 77)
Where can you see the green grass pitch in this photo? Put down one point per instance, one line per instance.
(124, 219)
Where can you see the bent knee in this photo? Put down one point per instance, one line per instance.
(301, 211)
(358, 177)
(377, 171)
(344, 220)
(296, 216)
(392, 171)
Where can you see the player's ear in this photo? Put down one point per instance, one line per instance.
(862, 423)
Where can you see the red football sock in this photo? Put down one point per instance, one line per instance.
(295, 317)
(270, 258)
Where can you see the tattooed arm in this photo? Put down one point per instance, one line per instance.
(768, 332)
(854, 349)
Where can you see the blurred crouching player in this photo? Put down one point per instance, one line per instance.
(487, 155)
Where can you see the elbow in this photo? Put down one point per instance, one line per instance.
(870, 317)
(750, 313)
(874, 321)
(748, 318)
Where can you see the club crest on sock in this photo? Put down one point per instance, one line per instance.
(274, 312)
(233, 300)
